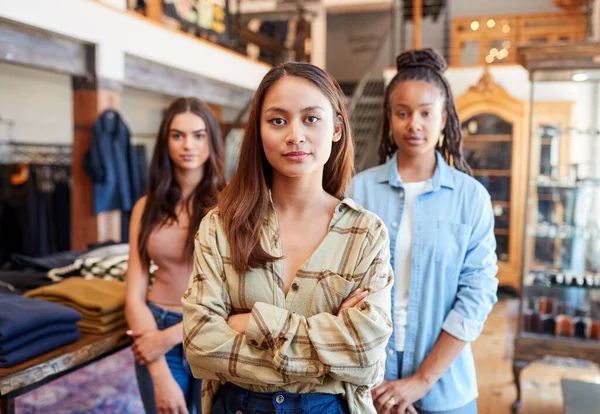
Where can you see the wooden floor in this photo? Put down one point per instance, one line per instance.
(540, 381)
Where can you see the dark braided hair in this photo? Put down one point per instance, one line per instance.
(429, 66)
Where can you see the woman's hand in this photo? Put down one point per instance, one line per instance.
(355, 300)
(168, 396)
(149, 346)
(239, 322)
(397, 397)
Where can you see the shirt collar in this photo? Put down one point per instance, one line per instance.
(350, 203)
(347, 201)
(443, 175)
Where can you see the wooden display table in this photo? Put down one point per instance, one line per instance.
(47, 367)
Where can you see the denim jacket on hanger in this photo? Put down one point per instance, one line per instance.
(112, 165)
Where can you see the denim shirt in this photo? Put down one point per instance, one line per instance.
(452, 272)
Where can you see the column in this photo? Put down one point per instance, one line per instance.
(417, 23)
(91, 96)
(318, 36)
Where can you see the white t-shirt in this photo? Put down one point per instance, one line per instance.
(402, 258)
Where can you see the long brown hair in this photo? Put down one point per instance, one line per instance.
(164, 193)
(244, 203)
(429, 66)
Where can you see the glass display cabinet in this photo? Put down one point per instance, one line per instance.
(560, 288)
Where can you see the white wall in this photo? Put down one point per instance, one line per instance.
(463, 8)
(117, 32)
(352, 40)
(513, 78)
(40, 103)
(143, 111)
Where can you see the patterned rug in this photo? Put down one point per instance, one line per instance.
(107, 386)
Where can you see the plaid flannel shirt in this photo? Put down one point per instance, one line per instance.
(293, 342)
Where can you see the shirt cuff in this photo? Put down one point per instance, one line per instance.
(462, 328)
(265, 324)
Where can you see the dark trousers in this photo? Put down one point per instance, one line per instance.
(232, 399)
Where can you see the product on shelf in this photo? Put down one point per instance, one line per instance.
(564, 326)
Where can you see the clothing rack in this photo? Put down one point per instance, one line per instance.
(33, 153)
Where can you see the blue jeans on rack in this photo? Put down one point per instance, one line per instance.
(232, 399)
(470, 408)
(180, 369)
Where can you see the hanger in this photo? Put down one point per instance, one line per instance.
(111, 111)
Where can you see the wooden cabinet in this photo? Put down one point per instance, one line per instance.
(479, 40)
(495, 145)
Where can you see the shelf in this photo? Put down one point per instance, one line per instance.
(585, 236)
(561, 287)
(544, 275)
(539, 267)
(589, 183)
(502, 203)
(560, 339)
(501, 232)
(546, 197)
(562, 232)
(487, 138)
(530, 347)
(493, 173)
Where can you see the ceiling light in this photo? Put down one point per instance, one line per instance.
(474, 25)
(506, 28)
(491, 23)
(489, 59)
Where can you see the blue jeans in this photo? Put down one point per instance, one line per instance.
(233, 399)
(180, 369)
(470, 408)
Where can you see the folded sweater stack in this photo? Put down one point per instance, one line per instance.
(31, 327)
(100, 302)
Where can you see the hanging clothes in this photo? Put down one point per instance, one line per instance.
(49, 209)
(16, 234)
(34, 213)
(112, 165)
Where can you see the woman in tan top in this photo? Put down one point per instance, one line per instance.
(186, 174)
(288, 306)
